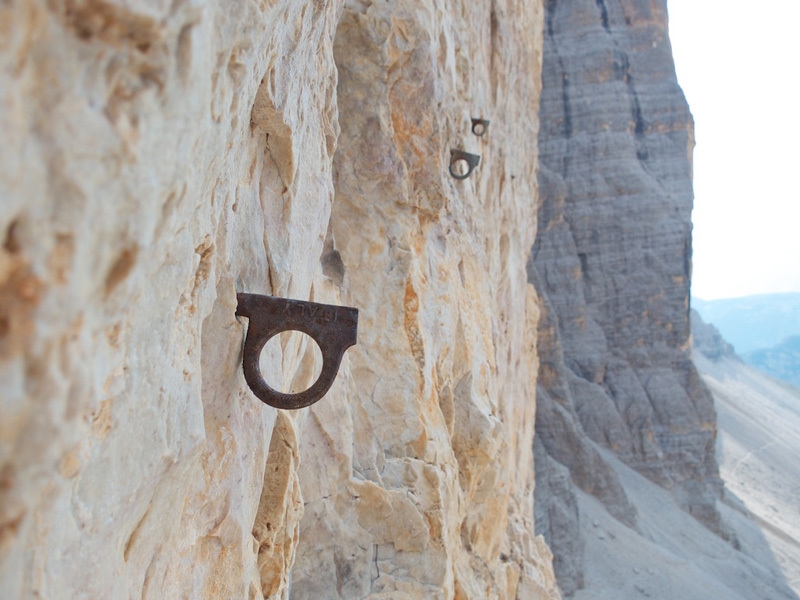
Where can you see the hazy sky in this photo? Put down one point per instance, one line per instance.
(739, 65)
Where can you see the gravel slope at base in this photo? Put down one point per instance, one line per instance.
(672, 556)
(759, 452)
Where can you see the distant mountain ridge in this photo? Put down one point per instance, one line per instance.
(753, 322)
(781, 361)
(707, 340)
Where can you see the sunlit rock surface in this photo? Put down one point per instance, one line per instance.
(613, 259)
(159, 157)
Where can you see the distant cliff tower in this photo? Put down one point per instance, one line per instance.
(613, 255)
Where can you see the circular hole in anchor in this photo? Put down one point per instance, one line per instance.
(290, 362)
(459, 167)
(479, 129)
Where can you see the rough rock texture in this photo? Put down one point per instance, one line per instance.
(570, 456)
(557, 516)
(613, 259)
(707, 340)
(159, 157)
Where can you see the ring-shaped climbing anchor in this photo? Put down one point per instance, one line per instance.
(479, 126)
(333, 328)
(457, 156)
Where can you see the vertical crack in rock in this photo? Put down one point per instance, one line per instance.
(280, 509)
(411, 326)
(622, 72)
(566, 106)
(267, 119)
(20, 293)
(331, 261)
(603, 13)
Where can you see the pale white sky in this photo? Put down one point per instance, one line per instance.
(739, 65)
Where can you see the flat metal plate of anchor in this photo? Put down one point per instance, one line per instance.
(333, 328)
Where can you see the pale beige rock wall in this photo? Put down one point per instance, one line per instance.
(156, 158)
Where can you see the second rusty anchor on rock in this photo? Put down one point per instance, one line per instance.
(479, 126)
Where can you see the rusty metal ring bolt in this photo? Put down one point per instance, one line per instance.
(333, 328)
(458, 160)
(479, 126)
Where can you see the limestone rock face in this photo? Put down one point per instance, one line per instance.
(159, 157)
(613, 256)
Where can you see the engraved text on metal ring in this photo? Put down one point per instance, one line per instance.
(333, 328)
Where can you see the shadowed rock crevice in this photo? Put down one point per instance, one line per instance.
(280, 509)
(603, 13)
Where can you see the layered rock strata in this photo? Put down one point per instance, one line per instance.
(159, 157)
(613, 259)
